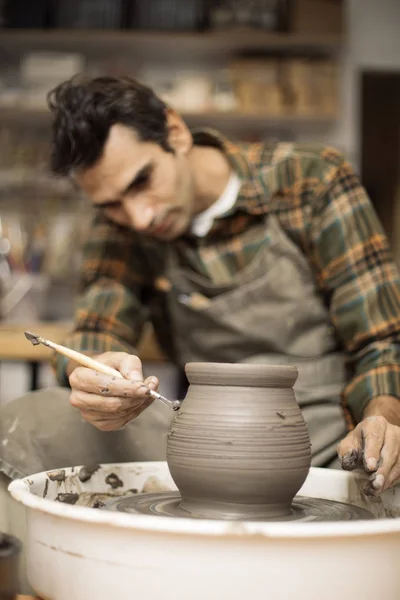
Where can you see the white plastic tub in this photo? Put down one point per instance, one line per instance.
(79, 553)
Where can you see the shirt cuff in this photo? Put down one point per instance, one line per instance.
(381, 381)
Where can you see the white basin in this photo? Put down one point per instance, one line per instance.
(79, 553)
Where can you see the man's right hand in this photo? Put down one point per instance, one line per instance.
(109, 403)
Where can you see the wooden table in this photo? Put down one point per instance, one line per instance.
(15, 347)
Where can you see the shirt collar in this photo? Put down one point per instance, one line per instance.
(244, 158)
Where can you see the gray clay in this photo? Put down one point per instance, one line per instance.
(239, 446)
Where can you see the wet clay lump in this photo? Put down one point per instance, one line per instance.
(239, 446)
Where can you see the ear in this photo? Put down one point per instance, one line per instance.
(179, 136)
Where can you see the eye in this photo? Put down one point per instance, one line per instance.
(141, 181)
(108, 206)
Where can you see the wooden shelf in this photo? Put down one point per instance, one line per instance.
(15, 178)
(235, 120)
(24, 115)
(249, 121)
(196, 43)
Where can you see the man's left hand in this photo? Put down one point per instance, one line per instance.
(374, 446)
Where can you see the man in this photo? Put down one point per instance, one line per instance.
(236, 253)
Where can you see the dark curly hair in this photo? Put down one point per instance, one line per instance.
(85, 109)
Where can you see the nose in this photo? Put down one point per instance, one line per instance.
(140, 213)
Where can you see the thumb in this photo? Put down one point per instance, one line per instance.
(131, 367)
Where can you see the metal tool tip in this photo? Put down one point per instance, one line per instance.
(32, 337)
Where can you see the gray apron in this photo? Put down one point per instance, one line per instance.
(269, 312)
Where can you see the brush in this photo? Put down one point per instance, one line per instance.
(91, 363)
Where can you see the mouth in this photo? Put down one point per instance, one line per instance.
(165, 227)
(162, 229)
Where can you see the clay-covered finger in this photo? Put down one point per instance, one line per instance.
(373, 433)
(130, 366)
(117, 359)
(93, 382)
(109, 422)
(394, 476)
(349, 451)
(83, 400)
(152, 383)
(94, 418)
(389, 458)
(99, 415)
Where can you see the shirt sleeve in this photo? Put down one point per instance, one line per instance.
(356, 271)
(109, 314)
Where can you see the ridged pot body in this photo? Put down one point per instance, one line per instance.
(239, 446)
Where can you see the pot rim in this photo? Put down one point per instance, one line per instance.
(20, 491)
(242, 374)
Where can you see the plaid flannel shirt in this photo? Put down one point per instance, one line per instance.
(322, 207)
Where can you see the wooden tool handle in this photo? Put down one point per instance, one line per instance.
(86, 361)
(91, 363)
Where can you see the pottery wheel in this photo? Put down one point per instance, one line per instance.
(166, 504)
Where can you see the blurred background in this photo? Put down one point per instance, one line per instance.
(309, 70)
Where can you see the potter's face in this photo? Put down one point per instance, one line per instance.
(140, 185)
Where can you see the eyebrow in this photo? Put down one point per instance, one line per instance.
(144, 172)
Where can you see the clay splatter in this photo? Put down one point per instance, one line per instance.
(68, 498)
(96, 499)
(57, 475)
(13, 426)
(113, 480)
(87, 471)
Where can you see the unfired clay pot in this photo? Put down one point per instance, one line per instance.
(239, 446)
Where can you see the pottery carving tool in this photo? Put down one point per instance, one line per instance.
(91, 363)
